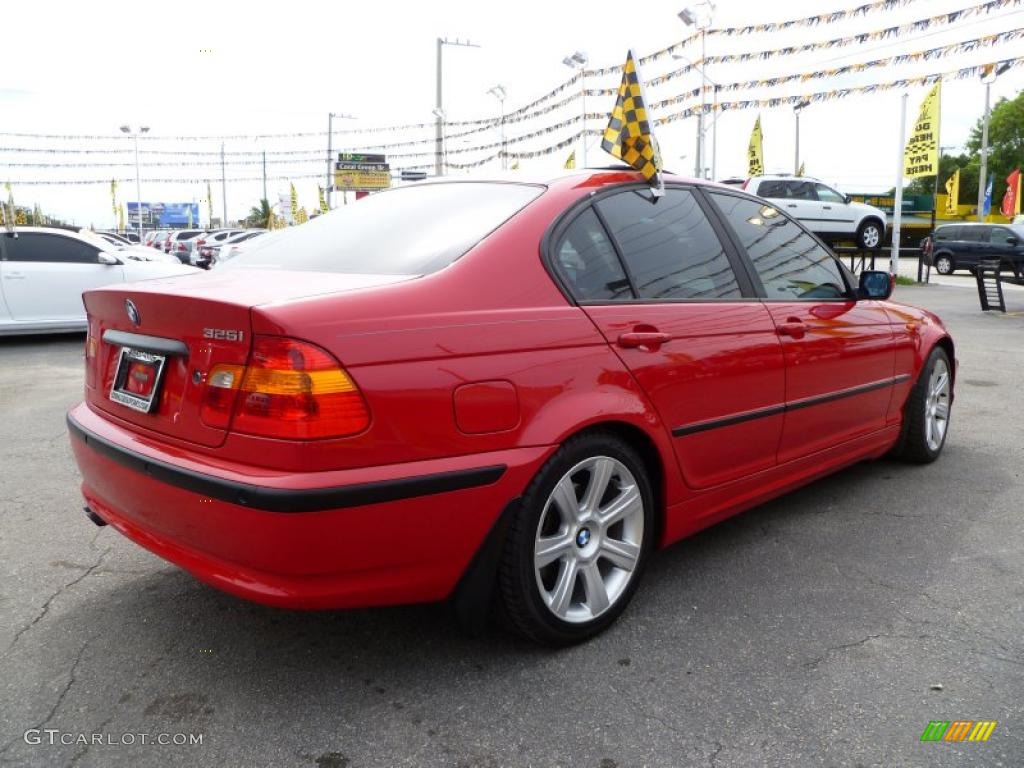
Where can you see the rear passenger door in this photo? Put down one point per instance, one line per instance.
(659, 282)
(840, 352)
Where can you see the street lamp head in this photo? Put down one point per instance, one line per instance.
(498, 92)
(143, 129)
(576, 60)
(688, 16)
(125, 129)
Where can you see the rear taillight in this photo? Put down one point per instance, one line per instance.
(91, 353)
(289, 389)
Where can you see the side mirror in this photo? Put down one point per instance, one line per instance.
(847, 199)
(108, 259)
(876, 285)
(1011, 240)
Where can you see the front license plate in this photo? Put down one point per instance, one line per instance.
(137, 382)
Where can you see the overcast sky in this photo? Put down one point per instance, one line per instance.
(208, 69)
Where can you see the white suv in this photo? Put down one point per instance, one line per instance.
(829, 214)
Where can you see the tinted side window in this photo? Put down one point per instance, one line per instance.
(974, 234)
(772, 189)
(587, 261)
(669, 246)
(790, 263)
(801, 190)
(39, 247)
(999, 235)
(947, 233)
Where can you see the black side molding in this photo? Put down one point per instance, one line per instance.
(703, 426)
(285, 500)
(154, 344)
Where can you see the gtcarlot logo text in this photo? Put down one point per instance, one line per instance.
(54, 736)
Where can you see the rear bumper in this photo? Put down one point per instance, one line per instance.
(340, 539)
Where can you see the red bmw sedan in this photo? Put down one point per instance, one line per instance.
(493, 391)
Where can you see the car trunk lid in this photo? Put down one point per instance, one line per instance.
(152, 344)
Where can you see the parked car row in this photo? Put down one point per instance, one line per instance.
(197, 247)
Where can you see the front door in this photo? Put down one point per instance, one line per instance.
(840, 352)
(657, 281)
(45, 274)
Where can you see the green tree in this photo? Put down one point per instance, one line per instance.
(1005, 143)
(259, 215)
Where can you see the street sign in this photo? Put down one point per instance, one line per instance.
(360, 171)
(348, 157)
(413, 175)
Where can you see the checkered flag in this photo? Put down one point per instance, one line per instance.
(628, 135)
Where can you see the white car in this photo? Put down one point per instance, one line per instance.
(43, 272)
(829, 214)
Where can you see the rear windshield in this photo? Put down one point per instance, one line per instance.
(411, 230)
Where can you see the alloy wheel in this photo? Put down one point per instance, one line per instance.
(589, 539)
(937, 405)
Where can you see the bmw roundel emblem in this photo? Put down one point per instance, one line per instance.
(133, 312)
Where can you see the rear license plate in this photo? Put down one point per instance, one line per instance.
(137, 382)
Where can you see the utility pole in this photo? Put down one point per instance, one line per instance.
(439, 109)
(330, 153)
(223, 186)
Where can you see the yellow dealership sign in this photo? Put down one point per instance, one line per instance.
(350, 178)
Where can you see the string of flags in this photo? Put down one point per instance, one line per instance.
(888, 61)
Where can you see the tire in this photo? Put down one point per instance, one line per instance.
(870, 234)
(924, 427)
(556, 598)
(944, 264)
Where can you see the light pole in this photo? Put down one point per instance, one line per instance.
(330, 152)
(702, 130)
(692, 18)
(988, 77)
(439, 109)
(138, 177)
(499, 93)
(578, 61)
(441, 153)
(797, 108)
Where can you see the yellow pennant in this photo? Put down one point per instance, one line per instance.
(921, 157)
(953, 194)
(755, 150)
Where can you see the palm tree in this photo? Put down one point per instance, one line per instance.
(259, 215)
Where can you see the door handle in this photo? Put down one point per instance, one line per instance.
(643, 339)
(791, 205)
(793, 327)
(827, 207)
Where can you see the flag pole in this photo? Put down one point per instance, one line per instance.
(897, 206)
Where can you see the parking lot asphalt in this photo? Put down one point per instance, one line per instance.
(826, 628)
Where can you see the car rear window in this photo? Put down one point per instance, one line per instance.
(412, 230)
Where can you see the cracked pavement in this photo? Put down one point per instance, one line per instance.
(812, 631)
